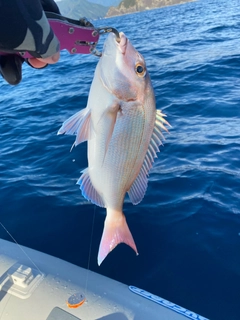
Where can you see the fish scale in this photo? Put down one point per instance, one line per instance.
(121, 157)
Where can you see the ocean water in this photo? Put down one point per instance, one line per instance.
(187, 228)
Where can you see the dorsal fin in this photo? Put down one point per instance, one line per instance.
(139, 186)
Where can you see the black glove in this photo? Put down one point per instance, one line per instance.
(11, 68)
(50, 6)
(11, 64)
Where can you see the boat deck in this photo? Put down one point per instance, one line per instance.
(47, 288)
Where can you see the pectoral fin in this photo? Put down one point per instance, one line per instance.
(78, 124)
(109, 117)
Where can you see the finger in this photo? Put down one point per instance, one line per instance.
(52, 59)
(39, 63)
(35, 63)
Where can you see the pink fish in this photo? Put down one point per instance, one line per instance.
(124, 131)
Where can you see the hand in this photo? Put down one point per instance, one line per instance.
(11, 64)
(39, 63)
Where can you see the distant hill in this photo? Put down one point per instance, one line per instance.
(94, 9)
(76, 9)
(129, 6)
(107, 3)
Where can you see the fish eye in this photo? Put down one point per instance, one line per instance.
(140, 70)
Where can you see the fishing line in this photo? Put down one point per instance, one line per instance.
(77, 299)
(90, 248)
(20, 247)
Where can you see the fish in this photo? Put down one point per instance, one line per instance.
(123, 130)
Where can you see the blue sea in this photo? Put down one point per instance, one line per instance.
(187, 228)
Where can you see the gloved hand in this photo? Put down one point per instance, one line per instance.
(11, 64)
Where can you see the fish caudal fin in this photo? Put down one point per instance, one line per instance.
(115, 231)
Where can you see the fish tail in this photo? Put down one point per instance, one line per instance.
(115, 231)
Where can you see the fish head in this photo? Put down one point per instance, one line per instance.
(123, 70)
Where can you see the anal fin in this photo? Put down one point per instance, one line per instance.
(88, 190)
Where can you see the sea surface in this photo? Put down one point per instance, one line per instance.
(187, 228)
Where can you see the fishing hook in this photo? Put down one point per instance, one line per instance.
(104, 30)
(109, 29)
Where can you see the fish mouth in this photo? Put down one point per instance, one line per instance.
(114, 40)
(122, 44)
